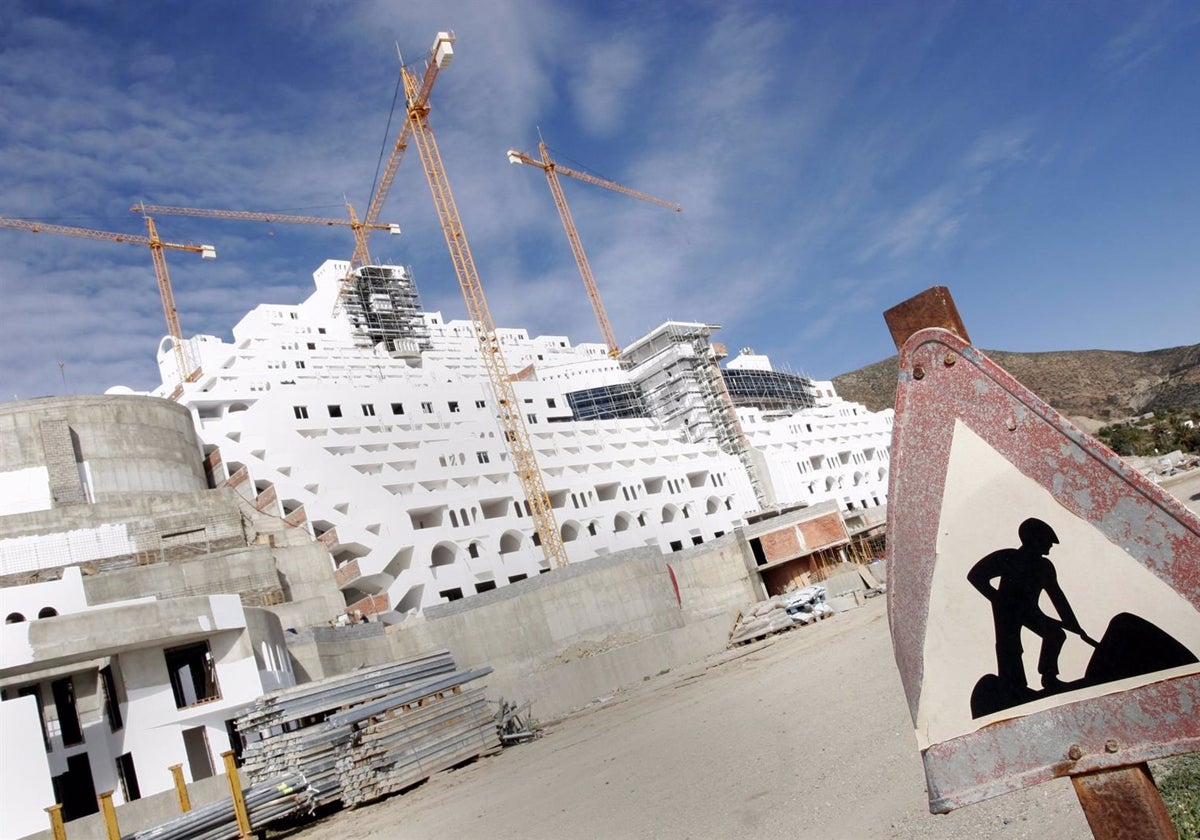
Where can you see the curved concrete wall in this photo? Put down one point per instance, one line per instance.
(108, 444)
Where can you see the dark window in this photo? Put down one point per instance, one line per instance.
(515, 578)
(454, 594)
(473, 550)
(112, 702)
(64, 706)
(128, 777)
(453, 406)
(193, 674)
(550, 402)
(397, 408)
(368, 409)
(485, 586)
(14, 618)
(36, 693)
(47, 612)
(312, 346)
(301, 412)
(335, 411)
(427, 407)
(482, 457)
(592, 528)
(480, 403)
(321, 330)
(300, 364)
(676, 545)
(697, 540)
(75, 789)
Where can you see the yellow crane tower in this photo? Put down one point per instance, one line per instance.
(508, 407)
(156, 246)
(553, 169)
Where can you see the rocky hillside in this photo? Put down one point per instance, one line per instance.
(1097, 385)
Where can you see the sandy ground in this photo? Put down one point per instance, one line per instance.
(805, 734)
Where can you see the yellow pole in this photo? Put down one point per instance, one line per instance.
(110, 815)
(185, 802)
(57, 830)
(235, 791)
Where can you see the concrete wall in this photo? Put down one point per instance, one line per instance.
(122, 444)
(132, 529)
(143, 813)
(567, 636)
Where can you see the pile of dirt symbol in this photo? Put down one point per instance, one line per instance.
(779, 613)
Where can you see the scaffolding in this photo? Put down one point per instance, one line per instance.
(383, 306)
(681, 379)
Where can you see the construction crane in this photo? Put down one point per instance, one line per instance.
(360, 257)
(508, 407)
(156, 246)
(553, 169)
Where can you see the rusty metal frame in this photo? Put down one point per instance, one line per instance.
(943, 379)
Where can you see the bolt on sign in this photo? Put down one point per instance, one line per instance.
(1043, 596)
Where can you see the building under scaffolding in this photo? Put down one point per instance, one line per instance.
(678, 371)
(383, 305)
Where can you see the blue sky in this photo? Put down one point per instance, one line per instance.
(1040, 159)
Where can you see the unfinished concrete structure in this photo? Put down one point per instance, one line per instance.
(143, 610)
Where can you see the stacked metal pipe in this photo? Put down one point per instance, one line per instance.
(373, 732)
(265, 803)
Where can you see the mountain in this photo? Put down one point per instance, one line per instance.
(1100, 386)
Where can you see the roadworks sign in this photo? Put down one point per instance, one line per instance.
(1044, 597)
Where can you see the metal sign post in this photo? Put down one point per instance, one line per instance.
(1043, 596)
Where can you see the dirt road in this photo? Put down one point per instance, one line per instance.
(802, 735)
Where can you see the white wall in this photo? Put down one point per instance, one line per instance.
(25, 788)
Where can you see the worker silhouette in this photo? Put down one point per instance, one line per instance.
(1024, 574)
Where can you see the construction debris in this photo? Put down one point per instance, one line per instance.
(371, 733)
(779, 613)
(514, 723)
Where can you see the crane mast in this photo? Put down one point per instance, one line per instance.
(552, 170)
(157, 256)
(508, 407)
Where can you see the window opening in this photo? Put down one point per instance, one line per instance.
(335, 411)
(195, 744)
(301, 412)
(128, 777)
(68, 716)
(112, 703)
(193, 674)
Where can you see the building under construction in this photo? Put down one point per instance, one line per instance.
(383, 305)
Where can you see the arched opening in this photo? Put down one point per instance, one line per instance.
(712, 505)
(570, 531)
(14, 618)
(511, 541)
(47, 612)
(443, 554)
(830, 482)
(621, 522)
(669, 513)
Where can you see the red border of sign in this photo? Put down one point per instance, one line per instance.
(944, 379)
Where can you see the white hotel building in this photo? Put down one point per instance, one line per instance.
(372, 426)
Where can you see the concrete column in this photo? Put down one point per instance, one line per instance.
(61, 462)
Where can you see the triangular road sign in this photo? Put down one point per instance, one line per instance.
(1043, 596)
